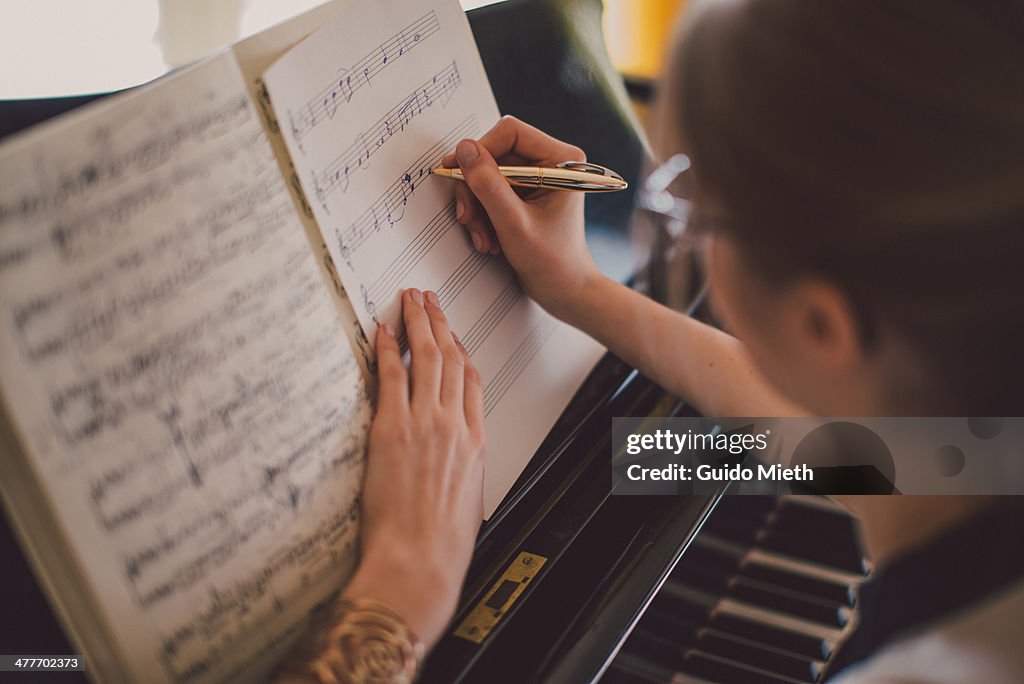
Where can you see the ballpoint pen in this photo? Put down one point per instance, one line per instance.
(579, 176)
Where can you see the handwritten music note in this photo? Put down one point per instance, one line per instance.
(393, 201)
(324, 105)
(336, 175)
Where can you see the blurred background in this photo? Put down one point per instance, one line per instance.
(51, 48)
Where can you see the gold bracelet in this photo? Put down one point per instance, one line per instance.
(358, 641)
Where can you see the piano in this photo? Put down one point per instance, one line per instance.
(568, 582)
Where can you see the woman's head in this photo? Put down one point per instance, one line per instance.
(860, 165)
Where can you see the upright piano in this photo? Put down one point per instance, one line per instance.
(570, 583)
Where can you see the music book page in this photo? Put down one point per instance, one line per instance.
(368, 105)
(178, 377)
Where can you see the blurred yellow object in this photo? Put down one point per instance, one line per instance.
(637, 33)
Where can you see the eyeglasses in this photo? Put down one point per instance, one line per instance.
(673, 273)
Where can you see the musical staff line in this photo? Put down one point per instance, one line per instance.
(462, 276)
(516, 364)
(492, 316)
(439, 88)
(324, 105)
(389, 208)
(407, 259)
(453, 286)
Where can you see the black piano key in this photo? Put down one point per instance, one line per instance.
(841, 594)
(725, 671)
(794, 515)
(811, 549)
(760, 595)
(783, 639)
(748, 653)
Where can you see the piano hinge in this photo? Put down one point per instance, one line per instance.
(500, 597)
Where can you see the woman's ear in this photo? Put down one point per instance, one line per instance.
(827, 328)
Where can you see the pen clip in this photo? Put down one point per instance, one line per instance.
(589, 168)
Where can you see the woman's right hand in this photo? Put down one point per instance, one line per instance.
(540, 231)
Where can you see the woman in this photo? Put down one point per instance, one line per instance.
(858, 180)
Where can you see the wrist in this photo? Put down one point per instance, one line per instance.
(583, 305)
(422, 592)
(571, 301)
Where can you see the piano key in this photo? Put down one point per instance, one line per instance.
(814, 648)
(781, 561)
(841, 594)
(650, 647)
(797, 515)
(757, 655)
(762, 595)
(806, 548)
(725, 671)
(749, 611)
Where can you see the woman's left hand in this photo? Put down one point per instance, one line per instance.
(422, 500)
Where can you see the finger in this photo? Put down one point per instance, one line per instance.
(393, 395)
(452, 360)
(426, 357)
(512, 159)
(499, 200)
(473, 393)
(512, 136)
(480, 232)
(471, 215)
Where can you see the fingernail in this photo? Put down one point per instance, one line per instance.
(476, 242)
(460, 209)
(432, 298)
(466, 152)
(416, 295)
(388, 329)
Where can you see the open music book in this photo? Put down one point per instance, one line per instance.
(190, 277)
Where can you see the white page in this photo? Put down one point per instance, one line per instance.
(368, 105)
(178, 375)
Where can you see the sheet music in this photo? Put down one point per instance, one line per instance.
(254, 55)
(368, 106)
(179, 376)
